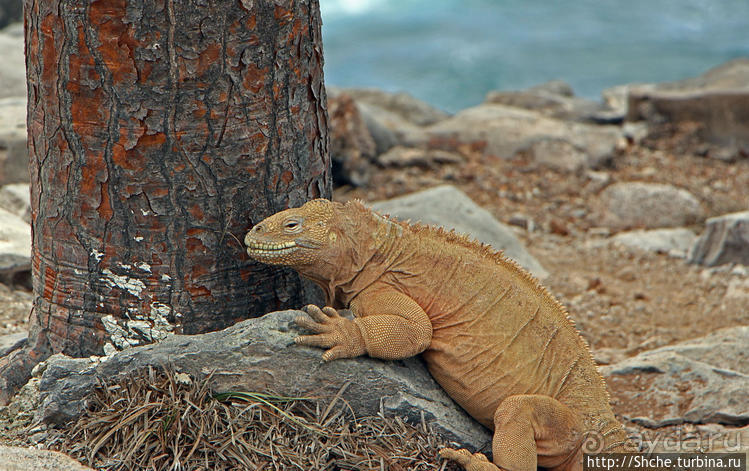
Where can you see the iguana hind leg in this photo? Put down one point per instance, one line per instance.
(529, 431)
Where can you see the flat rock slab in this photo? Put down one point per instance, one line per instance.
(260, 355)
(14, 458)
(676, 241)
(13, 71)
(16, 198)
(15, 248)
(699, 381)
(648, 205)
(14, 161)
(450, 208)
(718, 100)
(508, 130)
(11, 342)
(725, 240)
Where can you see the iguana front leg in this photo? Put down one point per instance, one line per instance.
(339, 335)
(388, 325)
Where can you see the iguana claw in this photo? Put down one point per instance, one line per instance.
(341, 336)
(469, 461)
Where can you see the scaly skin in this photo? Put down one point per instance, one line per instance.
(490, 334)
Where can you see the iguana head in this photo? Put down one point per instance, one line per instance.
(296, 237)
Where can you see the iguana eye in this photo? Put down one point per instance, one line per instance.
(292, 225)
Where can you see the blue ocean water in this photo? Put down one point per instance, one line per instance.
(451, 52)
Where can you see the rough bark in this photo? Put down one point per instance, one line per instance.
(157, 130)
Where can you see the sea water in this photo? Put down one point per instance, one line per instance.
(451, 52)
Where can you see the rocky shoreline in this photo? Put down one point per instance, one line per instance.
(634, 210)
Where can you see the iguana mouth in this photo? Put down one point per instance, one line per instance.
(260, 249)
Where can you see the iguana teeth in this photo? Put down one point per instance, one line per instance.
(270, 249)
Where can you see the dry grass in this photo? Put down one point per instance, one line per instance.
(161, 420)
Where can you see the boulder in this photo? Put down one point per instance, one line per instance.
(675, 242)
(556, 99)
(725, 240)
(506, 130)
(450, 208)
(558, 154)
(258, 355)
(15, 247)
(15, 458)
(16, 198)
(351, 145)
(392, 118)
(738, 291)
(11, 342)
(14, 161)
(401, 104)
(718, 101)
(699, 381)
(400, 156)
(13, 70)
(647, 205)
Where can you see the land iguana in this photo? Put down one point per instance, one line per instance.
(497, 341)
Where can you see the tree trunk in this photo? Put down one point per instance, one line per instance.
(159, 131)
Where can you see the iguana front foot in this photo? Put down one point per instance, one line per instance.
(469, 462)
(341, 336)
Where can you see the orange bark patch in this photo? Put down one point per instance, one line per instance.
(193, 244)
(116, 38)
(283, 15)
(198, 291)
(254, 78)
(50, 279)
(196, 212)
(49, 55)
(152, 140)
(105, 208)
(287, 177)
(198, 271)
(209, 56)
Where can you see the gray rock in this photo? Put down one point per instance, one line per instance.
(389, 129)
(725, 240)
(15, 246)
(11, 342)
(16, 198)
(676, 241)
(700, 381)
(14, 161)
(400, 156)
(260, 354)
(13, 70)
(556, 99)
(15, 270)
(738, 291)
(391, 118)
(506, 130)
(401, 104)
(718, 100)
(448, 207)
(554, 87)
(647, 205)
(352, 148)
(15, 458)
(558, 154)
(616, 98)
